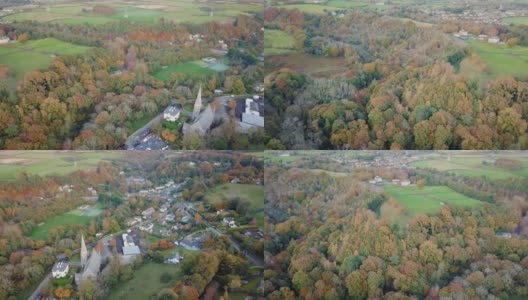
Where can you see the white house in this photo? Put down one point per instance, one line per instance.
(176, 258)
(4, 40)
(149, 227)
(405, 183)
(60, 270)
(229, 222)
(209, 60)
(171, 114)
(494, 40)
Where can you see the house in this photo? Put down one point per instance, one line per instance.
(222, 212)
(60, 269)
(494, 40)
(170, 217)
(175, 258)
(378, 179)
(229, 222)
(4, 40)
(504, 235)
(396, 182)
(147, 214)
(405, 183)
(171, 114)
(133, 221)
(218, 92)
(483, 37)
(149, 227)
(186, 219)
(235, 180)
(209, 60)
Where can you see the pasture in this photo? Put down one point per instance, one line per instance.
(188, 68)
(278, 42)
(46, 163)
(313, 66)
(474, 166)
(333, 5)
(35, 55)
(503, 60)
(427, 200)
(253, 193)
(145, 283)
(65, 219)
(516, 20)
(177, 11)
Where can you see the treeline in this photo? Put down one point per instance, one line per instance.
(393, 96)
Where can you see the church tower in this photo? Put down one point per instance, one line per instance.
(197, 104)
(84, 252)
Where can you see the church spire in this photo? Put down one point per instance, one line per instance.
(84, 252)
(197, 104)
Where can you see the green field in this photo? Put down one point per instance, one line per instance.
(427, 200)
(44, 163)
(191, 68)
(503, 60)
(516, 20)
(65, 219)
(278, 42)
(334, 5)
(145, 283)
(35, 55)
(177, 11)
(251, 192)
(472, 166)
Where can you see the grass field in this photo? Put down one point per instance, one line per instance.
(472, 166)
(516, 20)
(35, 55)
(313, 66)
(145, 283)
(65, 219)
(177, 11)
(191, 67)
(44, 163)
(427, 200)
(333, 5)
(278, 42)
(251, 192)
(502, 60)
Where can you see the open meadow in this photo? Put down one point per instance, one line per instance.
(177, 11)
(44, 163)
(253, 193)
(311, 65)
(192, 67)
(72, 217)
(21, 58)
(516, 20)
(473, 166)
(145, 282)
(427, 200)
(502, 60)
(278, 42)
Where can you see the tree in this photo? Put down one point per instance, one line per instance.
(512, 42)
(421, 183)
(23, 38)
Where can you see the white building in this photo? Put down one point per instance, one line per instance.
(147, 214)
(171, 114)
(494, 40)
(251, 114)
(4, 40)
(129, 247)
(149, 227)
(176, 258)
(60, 270)
(405, 183)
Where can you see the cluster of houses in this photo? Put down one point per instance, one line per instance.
(464, 35)
(377, 180)
(477, 14)
(389, 161)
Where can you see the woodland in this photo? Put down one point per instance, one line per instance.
(338, 237)
(401, 86)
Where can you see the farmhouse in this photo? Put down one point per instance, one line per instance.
(171, 114)
(60, 270)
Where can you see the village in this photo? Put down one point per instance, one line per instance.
(183, 224)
